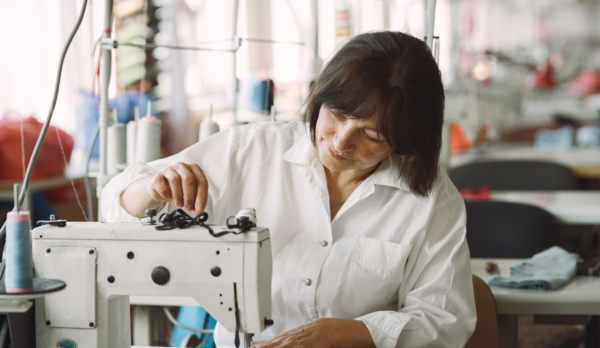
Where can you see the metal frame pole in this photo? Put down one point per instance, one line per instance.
(105, 108)
(235, 43)
(430, 23)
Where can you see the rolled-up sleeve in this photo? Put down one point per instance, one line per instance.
(110, 203)
(437, 306)
(214, 156)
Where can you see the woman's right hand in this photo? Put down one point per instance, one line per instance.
(181, 184)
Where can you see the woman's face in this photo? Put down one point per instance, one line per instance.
(349, 143)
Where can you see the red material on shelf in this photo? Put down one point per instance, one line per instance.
(474, 194)
(50, 162)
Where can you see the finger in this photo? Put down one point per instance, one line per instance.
(188, 184)
(175, 185)
(201, 190)
(159, 188)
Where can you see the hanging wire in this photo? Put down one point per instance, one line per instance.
(176, 323)
(62, 150)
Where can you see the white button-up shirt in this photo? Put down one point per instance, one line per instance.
(398, 262)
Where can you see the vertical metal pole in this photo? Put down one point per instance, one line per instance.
(316, 46)
(386, 14)
(105, 108)
(91, 28)
(16, 195)
(429, 24)
(235, 44)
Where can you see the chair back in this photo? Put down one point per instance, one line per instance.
(508, 230)
(514, 176)
(486, 330)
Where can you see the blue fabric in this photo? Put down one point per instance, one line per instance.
(256, 94)
(559, 139)
(192, 317)
(547, 271)
(88, 113)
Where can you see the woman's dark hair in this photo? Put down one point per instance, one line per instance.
(393, 76)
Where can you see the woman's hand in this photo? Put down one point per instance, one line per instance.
(313, 334)
(182, 184)
(322, 333)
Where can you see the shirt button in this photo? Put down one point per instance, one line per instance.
(307, 282)
(324, 243)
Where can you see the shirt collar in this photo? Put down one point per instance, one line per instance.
(388, 173)
(303, 152)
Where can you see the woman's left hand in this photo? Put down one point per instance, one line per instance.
(322, 333)
(312, 334)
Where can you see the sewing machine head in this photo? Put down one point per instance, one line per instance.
(105, 263)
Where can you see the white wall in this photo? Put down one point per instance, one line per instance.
(35, 32)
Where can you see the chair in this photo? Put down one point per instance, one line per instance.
(508, 230)
(486, 330)
(514, 176)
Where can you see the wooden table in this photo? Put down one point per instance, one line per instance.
(569, 207)
(584, 162)
(579, 297)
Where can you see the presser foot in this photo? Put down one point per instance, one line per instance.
(248, 340)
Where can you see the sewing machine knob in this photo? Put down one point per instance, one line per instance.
(215, 271)
(268, 322)
(161, 275)
(150, 212)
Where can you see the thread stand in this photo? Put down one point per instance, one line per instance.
(20, 302)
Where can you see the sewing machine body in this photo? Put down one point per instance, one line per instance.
(105, 263)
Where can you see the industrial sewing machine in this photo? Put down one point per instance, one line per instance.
(104, 263)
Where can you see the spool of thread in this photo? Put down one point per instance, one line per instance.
(208, 128)
(19, 270)
(132, 128)
(117, 148)
(147, 147)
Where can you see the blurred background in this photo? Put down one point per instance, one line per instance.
(522, 80)
(506, 65)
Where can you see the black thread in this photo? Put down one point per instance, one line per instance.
(180, 219)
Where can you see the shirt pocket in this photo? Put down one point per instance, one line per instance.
(373, 276)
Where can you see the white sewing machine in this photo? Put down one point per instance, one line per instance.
(104, 263)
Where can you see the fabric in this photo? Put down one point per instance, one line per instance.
(50, 162)
(559, 139)
(398, 262)
(547, 270)
(195, 317)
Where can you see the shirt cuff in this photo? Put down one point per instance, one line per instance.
(385, 327)
(111, 194)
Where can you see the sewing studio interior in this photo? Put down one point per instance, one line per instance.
(300, 173)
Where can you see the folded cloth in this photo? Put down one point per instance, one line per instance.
(547, 270)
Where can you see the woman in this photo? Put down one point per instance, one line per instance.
(368, 236)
